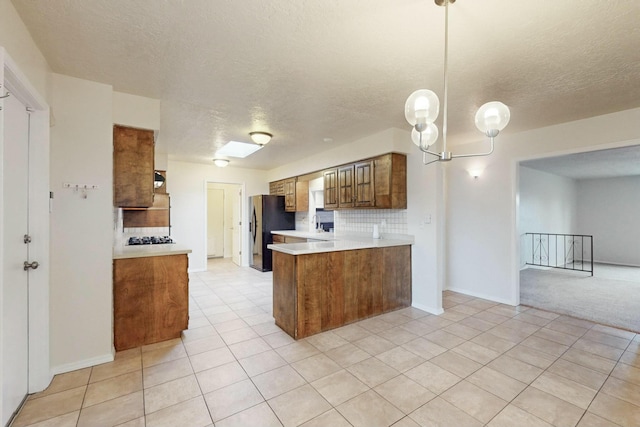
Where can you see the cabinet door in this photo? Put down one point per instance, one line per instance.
(276, 188)
(290, 195)
(133, 170)
(330, 189)
(346, 191)
(364, 184)
(302, 196)
(390, 172)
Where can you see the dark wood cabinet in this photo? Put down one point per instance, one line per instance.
(133, 171)
(302, 196)
(346, 191)
(150, 299)
(158, 215)
(290, 194)
(364, 185)
(276, 188)
(390, 179)
(330, 188)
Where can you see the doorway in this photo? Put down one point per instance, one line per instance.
(24, 235)
(223, 221)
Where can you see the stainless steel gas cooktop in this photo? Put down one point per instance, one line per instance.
(149, 240)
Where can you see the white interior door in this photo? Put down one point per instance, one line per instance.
(215, 223)
(15, 348)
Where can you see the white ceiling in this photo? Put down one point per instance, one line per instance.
(341, 69)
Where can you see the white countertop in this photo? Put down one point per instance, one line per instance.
(340, 243)
(140, 251)
(305, 234)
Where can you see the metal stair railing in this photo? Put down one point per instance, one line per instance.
(564, 251)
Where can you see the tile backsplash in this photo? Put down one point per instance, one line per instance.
(362, 220)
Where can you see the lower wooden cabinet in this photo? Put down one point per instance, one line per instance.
(150, 299)
(316, 292)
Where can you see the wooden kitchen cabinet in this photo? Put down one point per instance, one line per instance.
(290, 194)
(150, 299)
(364, 185)
(133, 167)
(346, 192)
(158, 215)
(302, 196)
(276, 188)
(390, 179)
(330, 177)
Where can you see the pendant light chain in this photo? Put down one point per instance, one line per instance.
(446, 77)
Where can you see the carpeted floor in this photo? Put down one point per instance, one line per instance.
(612, 300)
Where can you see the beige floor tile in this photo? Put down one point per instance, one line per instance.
(501, 385)
(512, 416)
(475, 401)
(199, 333)
(369, 410)
(66, 381)
(614, 331)
(456, 364)
(232, 399)
(587, 324)
(580, 374)
(115, 368)
(136, 422)
(211, 359)
(476, 352)
(462, 308)
(549, 408)
(259, 414)
(238, 335)
(596, 348)
(297, 351)
(531, 356)
(592, 420)
(132, 352)
(258, 319)
(278, 381)
(627, 373)
(352, 332)
(170, 393)
(413, 313)
(488, 316)
(233, 323)
(546, 346)
(220, 376)
(509, 334)
(418, 328)
(404, 393)
(439, 412)
(267, 328)
(527, 317)
(424, 348)
(400, 359)
(397, 335)
(555, 336)
(567, 328)
(372, 371)
(278, 339)
(339, 387)
(249, 348)
(542, 313)
(330, 418)
(113, 387)
(631, 358)
(375, 324)
(435, 321)
(262, 362)
(66, 420)
(432, 377)
(622, 390)
(462, 331)
(604, 338)
(162, 355)
(204, 344)
(589, 360)
(315, 367)
(326, 341)
(36, 410)
(374, 345)
(565, 389)
(299, 405)
(454, 316)
(347, 355)
(493, 342)
(167, 371)
(444, 339)
(515, 368)
(615, 410)
(192, 413)
(167, 343)
(113, 412)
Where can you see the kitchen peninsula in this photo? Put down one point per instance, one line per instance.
(322, 285)
(150, 294)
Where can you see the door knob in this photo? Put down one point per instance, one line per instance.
(28, 265)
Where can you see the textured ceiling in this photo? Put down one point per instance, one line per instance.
(341, 69)
(594, 164)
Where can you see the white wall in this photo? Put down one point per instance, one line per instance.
(136, 111)
(81, 228)
(483, 244)
(548, 204)
(187, 185)
(609, 209)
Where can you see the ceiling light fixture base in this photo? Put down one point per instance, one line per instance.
(260, 138)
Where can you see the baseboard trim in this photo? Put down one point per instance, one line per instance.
(483, 296)
(81, 364)
(616, 263)
(428, 309)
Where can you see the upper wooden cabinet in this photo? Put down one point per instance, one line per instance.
(133, 170)
(290, 194)
(379, 183)
(276, 188)
(302, 196)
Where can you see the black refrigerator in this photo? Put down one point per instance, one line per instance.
(266, 213)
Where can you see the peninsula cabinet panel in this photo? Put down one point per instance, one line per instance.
(133, 171)
(313, 293)
(150, 300)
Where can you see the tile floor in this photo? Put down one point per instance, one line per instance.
(479, 363)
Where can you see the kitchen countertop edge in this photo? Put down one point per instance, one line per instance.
(142, 251)
(347, 244)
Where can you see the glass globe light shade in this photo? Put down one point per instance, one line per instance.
(429, 136)
(492, 116)
(422, 106)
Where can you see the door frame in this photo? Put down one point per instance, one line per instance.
(19, 86)
(243, 215)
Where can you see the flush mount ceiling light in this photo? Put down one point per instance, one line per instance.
(221, 163)
(422, 108)
(260, 138)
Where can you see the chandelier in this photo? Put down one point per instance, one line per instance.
(422, 108)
